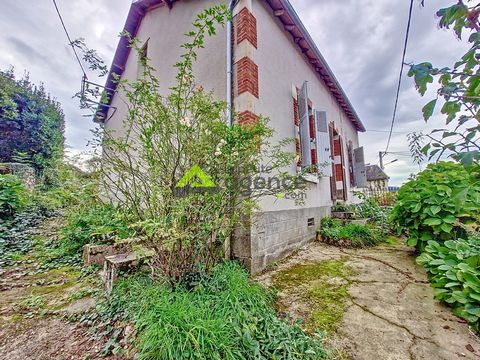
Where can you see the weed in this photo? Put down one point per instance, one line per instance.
(336, 232)
(32, 302)
(224, 317)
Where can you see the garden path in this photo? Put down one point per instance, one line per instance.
(390, 313)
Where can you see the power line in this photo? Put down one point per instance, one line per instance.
(401, 73)
(69, 39)
(387, 131)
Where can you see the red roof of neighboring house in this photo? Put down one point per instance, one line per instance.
(282, 9)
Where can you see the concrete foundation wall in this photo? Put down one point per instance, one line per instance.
(270, 236)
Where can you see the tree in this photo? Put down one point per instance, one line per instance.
(459, 87)
(31, 123)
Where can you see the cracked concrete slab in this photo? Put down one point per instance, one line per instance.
(392, 314)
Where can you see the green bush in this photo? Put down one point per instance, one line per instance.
(64, 186)
(337, 232)
(435, 204)
(370, 208)
(454, 271)
(95, 223)
(12, 195)
(224, 317)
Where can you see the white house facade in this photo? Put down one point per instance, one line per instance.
(277, 72)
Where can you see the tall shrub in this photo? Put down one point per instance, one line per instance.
(31, 123)
(438, 203)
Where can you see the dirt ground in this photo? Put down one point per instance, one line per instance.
(37, 307)
(390, 313)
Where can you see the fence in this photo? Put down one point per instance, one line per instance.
(384, 197)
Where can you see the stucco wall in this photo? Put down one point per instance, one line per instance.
(165, 29)
(282, 226)
(281, 66)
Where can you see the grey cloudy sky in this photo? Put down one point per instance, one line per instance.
(361, 40)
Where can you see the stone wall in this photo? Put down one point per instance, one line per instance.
(24, 171)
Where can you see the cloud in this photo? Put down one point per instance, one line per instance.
(362, 41)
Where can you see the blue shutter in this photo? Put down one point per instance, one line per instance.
(324, 153)
(306, 155)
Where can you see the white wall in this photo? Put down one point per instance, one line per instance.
(282, 65)
(165, 29)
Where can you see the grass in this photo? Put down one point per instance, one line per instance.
(224, 317)
(323, 286)
(336, 232)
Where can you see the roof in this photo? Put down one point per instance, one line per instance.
(282, 9)
(375, 172)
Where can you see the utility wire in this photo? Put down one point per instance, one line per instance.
(401, 73)
(70, 42)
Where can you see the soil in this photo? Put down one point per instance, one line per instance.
(37, 307)
(390, 312)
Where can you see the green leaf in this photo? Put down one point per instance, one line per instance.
(428, 109)
(432, 221)
(435, 209)
(446, 227)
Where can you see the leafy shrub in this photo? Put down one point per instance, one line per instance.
(370, 208)
(63, 186)
(97, 223)
(341, 207)
(32, 122)
(437, 203)
(224, 317)
(454, 271)
(336, 232)
(12, 195)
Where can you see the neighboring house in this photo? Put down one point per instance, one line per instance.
(278, 72)
(377, 180)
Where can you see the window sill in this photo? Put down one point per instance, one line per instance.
(310, 178)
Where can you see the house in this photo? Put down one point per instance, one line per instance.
(377, 180)
(278, 72)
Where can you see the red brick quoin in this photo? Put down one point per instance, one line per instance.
(247, 76)
(247, 118)
(246, 27)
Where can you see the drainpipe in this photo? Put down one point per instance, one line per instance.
(231, 5)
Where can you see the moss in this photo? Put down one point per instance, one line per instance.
(328, 302)
(323, 286)
(43, 290)
(391, 240)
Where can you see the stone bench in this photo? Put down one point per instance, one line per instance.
(114, 263)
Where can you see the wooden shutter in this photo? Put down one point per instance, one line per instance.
(350, 163)
(343, 194)
(359, 170)
(324, 153)
(306, 156)
(333, 181)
